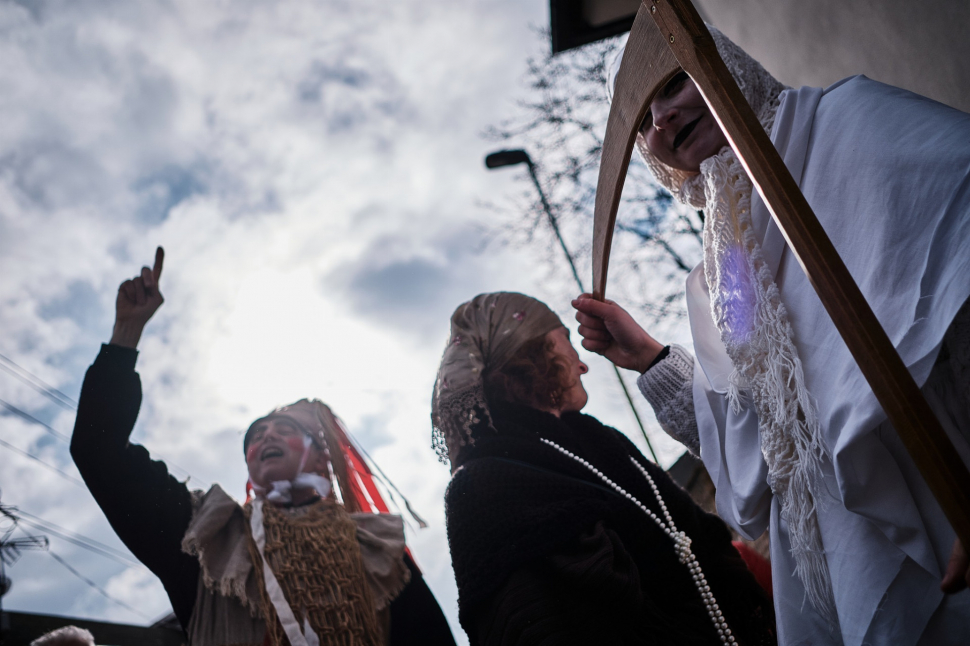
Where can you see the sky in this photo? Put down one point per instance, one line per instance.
(314, 172)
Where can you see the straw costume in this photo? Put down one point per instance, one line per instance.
(545, 550)
(327, 572)
(775, 405)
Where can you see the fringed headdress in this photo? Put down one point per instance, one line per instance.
(754, 326)
(313, 588)
(485, 333)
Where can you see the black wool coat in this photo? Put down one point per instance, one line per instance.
(545, 553)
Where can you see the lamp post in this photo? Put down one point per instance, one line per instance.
(503, 158)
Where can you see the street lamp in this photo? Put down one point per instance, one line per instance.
(502, 158)
(513, 157)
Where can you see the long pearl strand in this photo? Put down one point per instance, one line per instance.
(681, 540)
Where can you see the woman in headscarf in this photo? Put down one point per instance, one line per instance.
(774, 404)
(294, 565)
(561, 532)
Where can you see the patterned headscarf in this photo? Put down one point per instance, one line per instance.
(486, 332)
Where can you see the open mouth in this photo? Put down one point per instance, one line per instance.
(685, 132)
(271, 452)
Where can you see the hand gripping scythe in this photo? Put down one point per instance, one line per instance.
(667, 36)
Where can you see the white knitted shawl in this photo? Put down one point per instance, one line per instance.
(754, 326)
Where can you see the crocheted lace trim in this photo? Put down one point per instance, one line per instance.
(453, 419)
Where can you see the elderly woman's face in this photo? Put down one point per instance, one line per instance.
(574, 397)
(679, 129)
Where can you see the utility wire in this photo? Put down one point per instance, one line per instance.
(30, 418)
(65, 475)
(17, 517)
(64, 438)
(71, 537)
(24, 375)
(96, 586)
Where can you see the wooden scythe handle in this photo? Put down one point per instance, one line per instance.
(674, 26)
(648, 64)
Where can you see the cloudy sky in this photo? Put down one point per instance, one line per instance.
(314, 172)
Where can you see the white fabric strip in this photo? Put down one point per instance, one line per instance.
(290, 624)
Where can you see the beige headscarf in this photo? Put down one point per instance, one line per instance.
(754, 326)
(486, 332)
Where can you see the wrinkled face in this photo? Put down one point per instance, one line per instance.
(679, 129)
(275, 451)
(574, 397)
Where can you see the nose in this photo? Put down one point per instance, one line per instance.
(583, 368)
(663, 115)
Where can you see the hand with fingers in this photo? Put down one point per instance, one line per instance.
(608, 329)
(138, 299)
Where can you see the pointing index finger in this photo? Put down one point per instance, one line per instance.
(159, 260)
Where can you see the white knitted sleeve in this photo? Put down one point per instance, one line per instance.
(669, 388)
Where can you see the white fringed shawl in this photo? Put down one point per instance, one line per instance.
(754, 328)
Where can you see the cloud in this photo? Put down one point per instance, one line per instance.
(412, 284)
(314, 171)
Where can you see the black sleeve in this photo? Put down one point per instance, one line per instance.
(416, 617)
(148, 508)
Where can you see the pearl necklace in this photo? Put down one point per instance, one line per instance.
(681, 540)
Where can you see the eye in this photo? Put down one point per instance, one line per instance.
(675, 84)
(286, 430)
(647, 122)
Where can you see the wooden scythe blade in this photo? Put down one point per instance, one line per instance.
(669, 34)
(648, 64)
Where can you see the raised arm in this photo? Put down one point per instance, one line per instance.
(147, 507)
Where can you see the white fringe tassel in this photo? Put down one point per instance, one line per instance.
(754, 327)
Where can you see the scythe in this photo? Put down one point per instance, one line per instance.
(669, 35)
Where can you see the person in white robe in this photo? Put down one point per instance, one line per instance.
(771, 400)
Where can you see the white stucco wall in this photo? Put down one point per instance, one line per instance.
(921, 45)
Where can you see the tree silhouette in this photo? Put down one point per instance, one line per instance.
(561, 122)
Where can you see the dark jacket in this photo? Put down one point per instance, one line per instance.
(545, 553)
(150, 510)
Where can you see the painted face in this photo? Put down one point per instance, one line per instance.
(679, 129)
(275, 451)
(574, 398)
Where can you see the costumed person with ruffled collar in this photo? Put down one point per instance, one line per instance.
(294, 565)
(560, 531)
(771, 400)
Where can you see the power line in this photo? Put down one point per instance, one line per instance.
(95, 585)
(64, 438)
(42, 463)
(30, 418)
(24, 375)
(16, 516)
(72, 537)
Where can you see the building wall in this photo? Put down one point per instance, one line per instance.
(922, 46)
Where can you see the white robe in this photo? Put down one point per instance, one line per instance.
(888, 175)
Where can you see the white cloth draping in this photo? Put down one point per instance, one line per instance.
(887, 172)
